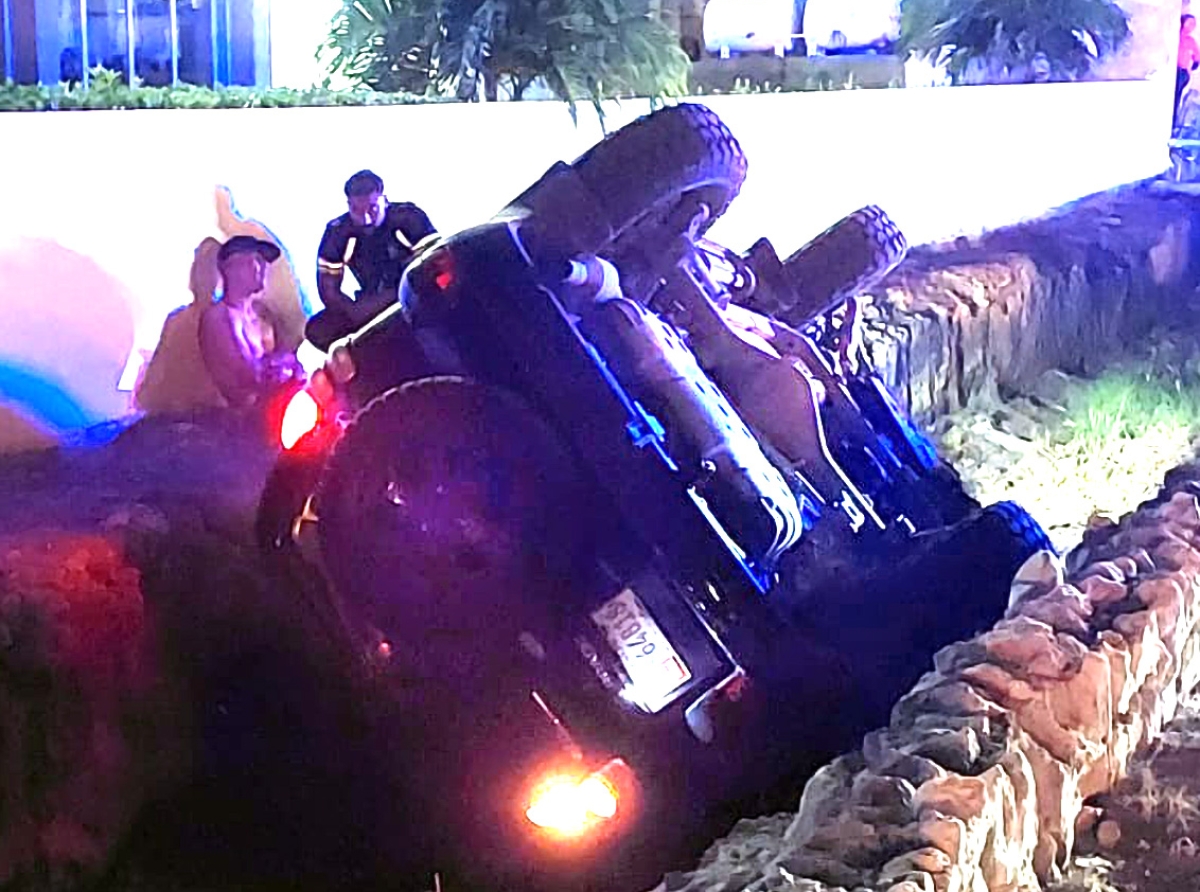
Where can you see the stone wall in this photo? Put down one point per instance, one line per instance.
(977, 783)
(978, 780)
(1064, 292)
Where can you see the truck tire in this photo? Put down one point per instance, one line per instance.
(949, 586)
(441, 512)
(648, 167)
(848, 258)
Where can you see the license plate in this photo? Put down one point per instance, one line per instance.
(654, 668)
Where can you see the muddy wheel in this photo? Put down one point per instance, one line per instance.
(846, 259)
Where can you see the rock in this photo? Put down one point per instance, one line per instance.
(1111, 571)
(1108, 834)
(928, 860)
(1052, 387)
(952, 795)
(954, 657)
(1031, 650)
(795, 883)
(915, 883)
(1006, 441)
(1127, 565)
(1040, 573)
(1019, 424)
(943, 832)
(675, 881)
(1088, 820)
(1183, 509)
(945, 698)
(138, 518)
(823, 869)
(79, 672)
(1101, 592)
(1001, 685)
(957, 750)
(820, 802)
(1144, 562)
(844, 835)
(890, 762)
(887, 792)
(1060, 614)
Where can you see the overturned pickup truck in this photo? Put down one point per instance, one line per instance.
(623, 521)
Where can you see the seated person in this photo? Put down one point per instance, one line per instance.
(377, 240)
(175, 380)
(236, 343)
(219, 353)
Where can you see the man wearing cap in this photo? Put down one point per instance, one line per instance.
(376, 239)
(236, 342)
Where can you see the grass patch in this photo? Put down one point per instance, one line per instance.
(1127, 406)
(1103, 450)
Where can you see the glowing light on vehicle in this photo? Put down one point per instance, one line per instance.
(438, 265)
(570, 806)
(299, 418)
(599, 797)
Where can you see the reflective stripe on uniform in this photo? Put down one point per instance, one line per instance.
(423, 243)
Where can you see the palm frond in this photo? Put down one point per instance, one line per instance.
(584, 50)
(1010, 33)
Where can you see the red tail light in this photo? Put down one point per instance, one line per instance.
(300, 418)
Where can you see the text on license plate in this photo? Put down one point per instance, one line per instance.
(654, 668)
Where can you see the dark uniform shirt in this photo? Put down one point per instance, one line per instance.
(378, 256)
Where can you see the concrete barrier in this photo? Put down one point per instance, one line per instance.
(104, 209)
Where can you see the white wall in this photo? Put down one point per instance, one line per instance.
(102, 210)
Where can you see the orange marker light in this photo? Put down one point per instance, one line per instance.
(570, 805)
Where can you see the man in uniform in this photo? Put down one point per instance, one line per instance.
(376, 240)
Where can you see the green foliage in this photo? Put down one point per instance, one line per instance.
(585, 50)
(1011, 33)
(107, 90)
(1128, 405)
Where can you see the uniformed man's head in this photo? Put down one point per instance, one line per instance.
(364, 195)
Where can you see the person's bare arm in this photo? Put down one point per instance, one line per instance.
(235, 373)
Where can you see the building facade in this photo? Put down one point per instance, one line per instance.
(161, 42)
